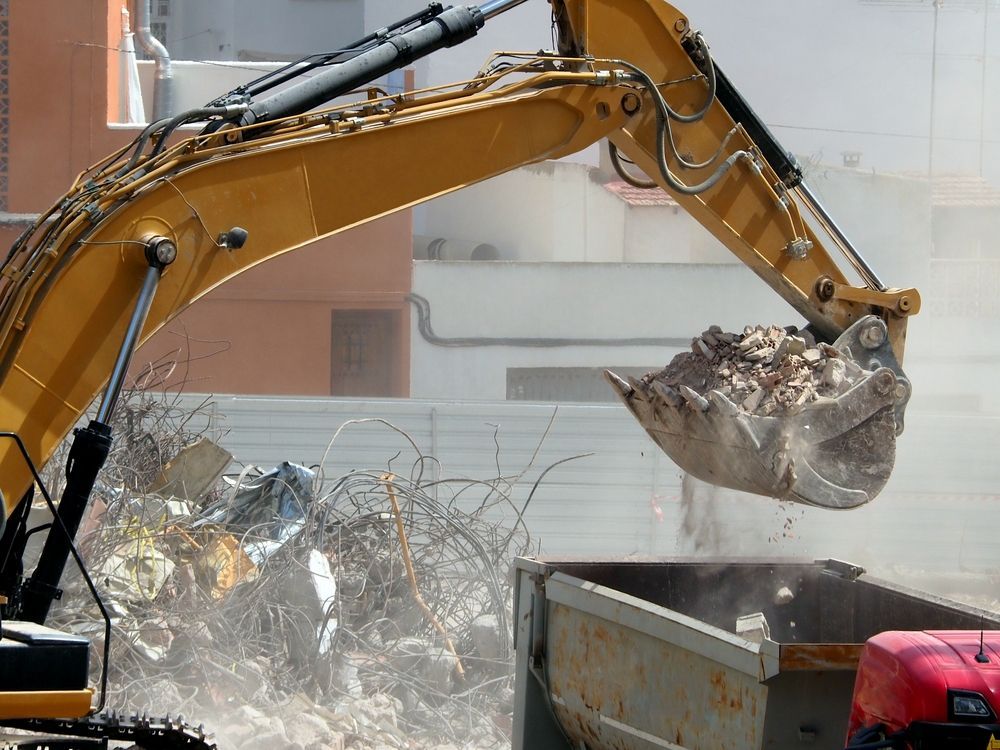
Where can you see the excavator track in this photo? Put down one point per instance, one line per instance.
(97, 731)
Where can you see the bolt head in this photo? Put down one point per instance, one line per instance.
(166, 252)
(885, 382)
(873, 336)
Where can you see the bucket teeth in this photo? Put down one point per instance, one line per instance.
(639, 388)
(721, 404)
(667, 395)
(695, 401)
(832, 453)
(623, 389)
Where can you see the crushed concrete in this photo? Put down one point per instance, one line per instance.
(764, 370)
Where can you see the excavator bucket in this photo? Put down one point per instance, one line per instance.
(832, 452)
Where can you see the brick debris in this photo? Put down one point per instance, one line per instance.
(765, 370)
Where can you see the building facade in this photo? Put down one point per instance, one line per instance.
(329, 319)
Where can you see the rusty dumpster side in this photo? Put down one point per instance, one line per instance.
(603, 668)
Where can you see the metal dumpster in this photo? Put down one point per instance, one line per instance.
(644, 653)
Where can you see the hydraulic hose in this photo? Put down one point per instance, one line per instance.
(663, 126)
(193, 115)
(712, 83)
(616, 162)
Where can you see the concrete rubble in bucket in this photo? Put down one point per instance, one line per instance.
(765, 370)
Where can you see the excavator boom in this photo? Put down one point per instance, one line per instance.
(268, 175)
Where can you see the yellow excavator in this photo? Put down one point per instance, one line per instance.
(273, 166)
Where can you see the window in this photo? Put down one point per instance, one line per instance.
(159, 29)
(364, 353)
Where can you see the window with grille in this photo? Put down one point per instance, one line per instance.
(364, 353)
(159, 29)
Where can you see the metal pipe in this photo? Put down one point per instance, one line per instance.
(135, 325)
(930, 125)
(866, 271)
(163, 81)
(495, 7)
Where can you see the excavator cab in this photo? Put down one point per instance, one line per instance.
(833, 451)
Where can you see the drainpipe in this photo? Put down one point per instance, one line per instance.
(163, 81)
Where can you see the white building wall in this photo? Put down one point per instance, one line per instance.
(229, 29)
(656, 234)
(546, 212)
(887, 217)
(195, 84)
(596, 303)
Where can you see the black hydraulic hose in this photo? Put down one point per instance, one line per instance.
(616, 162)
(712, 83)
(698, 165)
(663, 125)
(140, 145)
(194, 115)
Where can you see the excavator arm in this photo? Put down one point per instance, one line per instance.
(700, 141)
(144, 234)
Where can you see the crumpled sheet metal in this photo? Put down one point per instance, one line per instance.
(271, 507)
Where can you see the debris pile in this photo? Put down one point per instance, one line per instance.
(288, 609)
(765, 370)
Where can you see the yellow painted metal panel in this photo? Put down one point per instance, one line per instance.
(54, 704)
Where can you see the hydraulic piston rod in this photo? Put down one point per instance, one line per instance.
(380, 56)
(89, 451)
(496, 7)
(855, 258)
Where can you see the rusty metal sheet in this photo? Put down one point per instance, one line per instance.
(819, 657)
(760, 661)
(616, 688)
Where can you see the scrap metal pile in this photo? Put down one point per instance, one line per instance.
(283, 608)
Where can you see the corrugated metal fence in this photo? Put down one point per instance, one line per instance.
(940, 513)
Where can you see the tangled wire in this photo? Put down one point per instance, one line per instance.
(291, 583)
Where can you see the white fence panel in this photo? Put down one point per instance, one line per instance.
(938, 516)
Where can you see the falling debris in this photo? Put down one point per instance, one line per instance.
(783, 596)
(753, 627)
(765, 370)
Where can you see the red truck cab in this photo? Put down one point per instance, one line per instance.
(925, 690)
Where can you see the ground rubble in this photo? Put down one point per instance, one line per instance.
(764, 370)
(283, 608)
